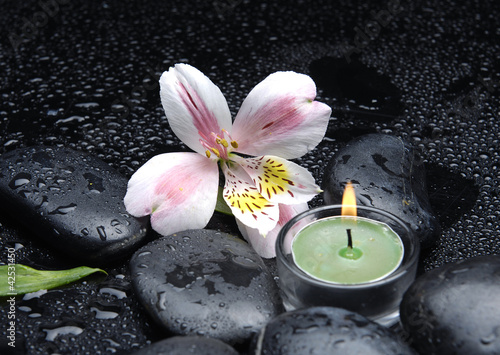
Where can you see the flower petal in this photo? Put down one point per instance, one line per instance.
(266, 246)
(179, 190)
(194, 105)
(246, 203)
(279, 117)
(280, 180)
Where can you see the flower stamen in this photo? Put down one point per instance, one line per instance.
(222, 141)
(216, 152)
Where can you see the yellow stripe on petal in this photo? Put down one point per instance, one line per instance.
(280, 180)
(246, 203)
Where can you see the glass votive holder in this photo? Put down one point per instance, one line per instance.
(377, 300)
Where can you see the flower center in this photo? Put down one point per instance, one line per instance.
(218, 144)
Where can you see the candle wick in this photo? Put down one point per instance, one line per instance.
(349, 238)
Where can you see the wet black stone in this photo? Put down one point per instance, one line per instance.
(327, 330)
(71, 200)
(97, 316)
(387, 173)
(454, 309)
(182, 345)
(208, 283)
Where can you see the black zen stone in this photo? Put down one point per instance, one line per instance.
(71, 200)
(455, 309)
(327, 330)
(387, 173)
(182, 345)
(203, 282)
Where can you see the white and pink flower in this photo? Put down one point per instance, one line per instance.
(278, 120)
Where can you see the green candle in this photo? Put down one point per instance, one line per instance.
(347, 250)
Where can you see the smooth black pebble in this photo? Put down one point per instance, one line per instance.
(182, 345)
(207, 283)
(327, 330)
(387, 173)
(455, 309)
(71, 200)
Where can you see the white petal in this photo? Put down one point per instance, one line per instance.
(179, 190)
(246, 203)
(280, 117)
(280, 180)
(265, 246)
(194, 105)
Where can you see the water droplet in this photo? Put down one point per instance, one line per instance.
(64, 209)
(492, 337)
(339, 343)
(72, 119)
(19, 180)
(116, 224)
(52, 334)
(36, 294)
(100, 314)
(40, 183)
(102, 233)
(113, 292)
(305, 330)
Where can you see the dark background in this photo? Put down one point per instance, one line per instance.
(83, 74)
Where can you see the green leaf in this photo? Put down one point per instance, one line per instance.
(221, 205)
(17, 279)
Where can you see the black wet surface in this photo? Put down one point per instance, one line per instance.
(84, 75)
(328, 330)
(203, 282)
(73, 202)
(438, 312)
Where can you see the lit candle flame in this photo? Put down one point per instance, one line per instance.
(349, 201)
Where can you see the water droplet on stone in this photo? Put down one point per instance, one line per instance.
(52, 334)
(64, 209)
(19, 180)
(113, 292)
(102, 233)
(103, 313)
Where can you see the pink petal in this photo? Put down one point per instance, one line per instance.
(280, 180)
(279, 117)
(179, 190)
(266, 246)
(246, 203)
(194, 106)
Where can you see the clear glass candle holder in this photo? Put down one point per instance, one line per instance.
(377, 300)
